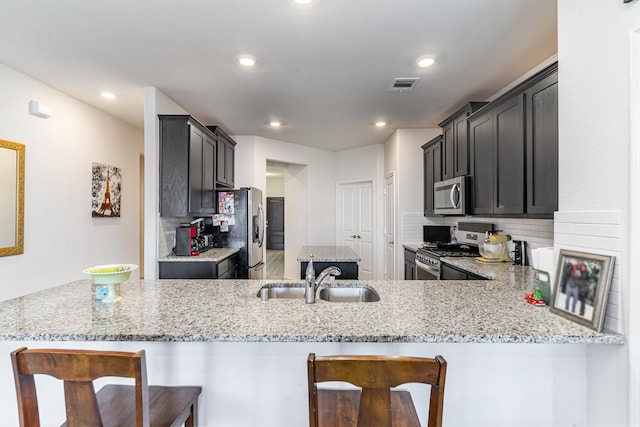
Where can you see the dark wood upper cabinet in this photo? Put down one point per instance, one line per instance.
(455, 143)
(514, 151)
(509, 168)
(432, 155)
(541, 105)
(187, 167)
(482, 150)
(225, 167)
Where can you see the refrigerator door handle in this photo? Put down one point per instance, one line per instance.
(261, 224)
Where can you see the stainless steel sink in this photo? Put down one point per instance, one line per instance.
(349, 294)
(334, 293)
(278, 291)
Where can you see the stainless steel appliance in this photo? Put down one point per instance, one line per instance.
(428, 256)
(450, 196)
(247, 233)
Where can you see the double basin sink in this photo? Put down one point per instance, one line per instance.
(347, 292)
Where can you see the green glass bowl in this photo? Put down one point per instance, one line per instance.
(110, 273)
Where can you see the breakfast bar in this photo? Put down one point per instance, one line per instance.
(249, 355)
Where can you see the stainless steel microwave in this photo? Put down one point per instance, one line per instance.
(450, 196)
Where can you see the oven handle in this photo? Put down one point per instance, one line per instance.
(429, 268)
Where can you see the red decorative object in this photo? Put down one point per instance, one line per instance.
(535, 298)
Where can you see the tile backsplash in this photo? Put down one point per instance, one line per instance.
(167, 234)
(596, 232)
(536, 232)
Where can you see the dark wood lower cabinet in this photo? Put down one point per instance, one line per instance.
(409, 265)
(449, 272)
(349, 269)
(225, 269)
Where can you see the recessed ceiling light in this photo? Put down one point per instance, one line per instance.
(426, 61)
(107, 95)
(302, 2)
(381, 124)
(247, 61)
(275, 123)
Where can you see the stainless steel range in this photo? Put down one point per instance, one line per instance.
(428, 256)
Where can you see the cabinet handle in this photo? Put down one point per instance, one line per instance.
(359, 237)
(353, 236)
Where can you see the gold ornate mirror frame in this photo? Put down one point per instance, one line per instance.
(11, 198)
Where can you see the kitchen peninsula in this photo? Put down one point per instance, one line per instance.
(250, 356)
(343, 257)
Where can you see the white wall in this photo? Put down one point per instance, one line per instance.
(595, 169)
(403, 159)
(60, 236)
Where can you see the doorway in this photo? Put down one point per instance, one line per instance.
(274, 268)
(355, 223)
(389, 229)
(275, 219)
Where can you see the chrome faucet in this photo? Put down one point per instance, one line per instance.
(312, 283)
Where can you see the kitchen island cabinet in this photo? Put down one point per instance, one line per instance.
(343, 257)
(250, 356)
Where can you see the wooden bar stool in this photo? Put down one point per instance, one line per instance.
(375, 404)
(137, 405)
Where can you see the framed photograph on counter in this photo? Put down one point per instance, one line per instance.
(582, 287)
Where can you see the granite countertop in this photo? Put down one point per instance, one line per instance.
(412, 246)
(212, 255)
(328, 254)
(484, 311)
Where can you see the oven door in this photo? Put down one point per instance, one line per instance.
(426, 272)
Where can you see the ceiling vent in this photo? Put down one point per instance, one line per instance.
(403, 84)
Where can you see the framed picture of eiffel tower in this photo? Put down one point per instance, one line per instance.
(106, 187)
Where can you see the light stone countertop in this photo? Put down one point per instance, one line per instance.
(230, 311)
(212, 255)
(328, 254)
(412, 246)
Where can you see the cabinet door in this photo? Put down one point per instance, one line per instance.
(409, 265)
(221, 171)
(448, 155)
(482, 163)
(449, 273)
(509, 168)
(208, 175)
(229, 164)
(432, 153)
(542, 146)
(461, 146)
(196, 143)
(174, 163)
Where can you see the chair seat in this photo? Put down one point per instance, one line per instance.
(117, 406)
(339, 408)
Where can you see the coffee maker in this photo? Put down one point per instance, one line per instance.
(191, 238)
(186, 240)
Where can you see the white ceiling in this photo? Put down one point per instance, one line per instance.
(323, 69)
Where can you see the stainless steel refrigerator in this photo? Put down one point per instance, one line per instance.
(247, 233)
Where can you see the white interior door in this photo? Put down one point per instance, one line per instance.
(389, 229)
(355, 223)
